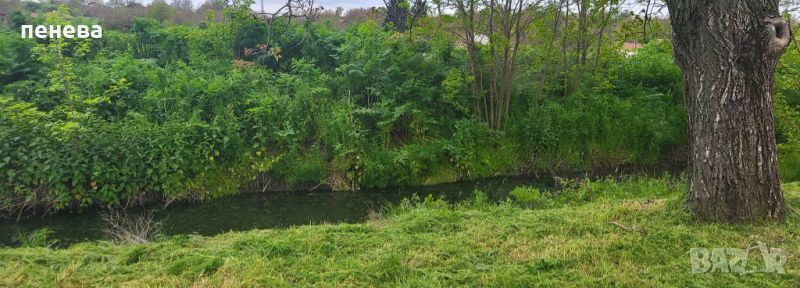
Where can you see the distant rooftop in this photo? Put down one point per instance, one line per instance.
(632, 46)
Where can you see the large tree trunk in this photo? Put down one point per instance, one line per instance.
(728, 51)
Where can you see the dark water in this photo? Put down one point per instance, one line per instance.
(248, 211)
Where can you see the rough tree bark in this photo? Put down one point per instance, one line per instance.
(728, 51)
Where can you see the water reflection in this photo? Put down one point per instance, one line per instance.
(258, 210)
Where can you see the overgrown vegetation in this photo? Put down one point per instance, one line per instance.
(37, 238)
(602, 233)
(163, 108)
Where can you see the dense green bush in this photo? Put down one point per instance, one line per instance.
(651, 69)
(16, 60)
(787, 115)
(178, 111)
(585, 131)
(91, 161)
(478, 151)
(788, 130)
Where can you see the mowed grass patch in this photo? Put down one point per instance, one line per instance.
(631, 233)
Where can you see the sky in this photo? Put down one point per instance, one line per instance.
(272, 5)
(328, 4)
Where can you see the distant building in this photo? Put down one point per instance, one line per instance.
(479, 39)
(630, 48)
(482, 39)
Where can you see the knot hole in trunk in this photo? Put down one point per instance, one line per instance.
(780, 34)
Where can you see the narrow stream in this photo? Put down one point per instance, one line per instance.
(257, 210)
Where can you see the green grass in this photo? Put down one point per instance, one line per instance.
(630, 234)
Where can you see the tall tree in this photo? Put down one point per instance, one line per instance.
(728, 51)
(402, 14)
(131, 3)
(116, 3)
(185, 5)
(60, 54)
(160, 10)
(505, 23)
(651, 7)
(5, 8)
